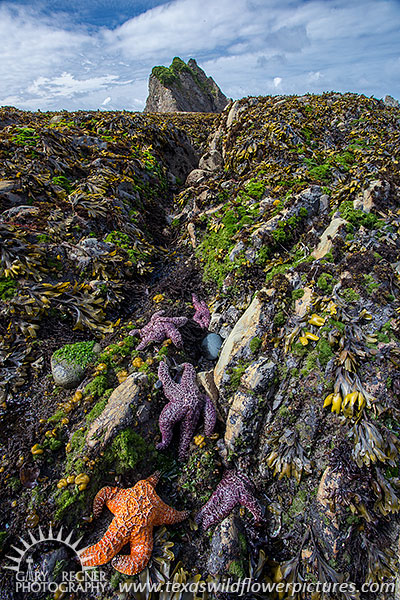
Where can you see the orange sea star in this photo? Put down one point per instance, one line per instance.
(137, 510)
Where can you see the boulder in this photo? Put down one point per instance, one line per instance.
(244, 331)
(210, 346)
(244, 415)
(326, 241)
(69, 373)
(225, 550)
(391, 102)
(376, 195)
(118, 413)
(197, 176)
(66, 374)
(211, 161)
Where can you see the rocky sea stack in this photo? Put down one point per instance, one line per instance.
(128, 240)
(183, 88)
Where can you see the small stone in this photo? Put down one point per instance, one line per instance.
(65, 374)
(211, 345)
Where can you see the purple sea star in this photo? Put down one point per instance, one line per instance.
(160, 328)
(186, 403)
(234, 488)
(202, 315)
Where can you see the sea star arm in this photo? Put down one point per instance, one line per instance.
(172, 332)
(210, 415)
(188, 377)
(166, 515)
(154, 479)
(247, 500)
(145, 342)
(202, 315)
(141, 544)
(170, 415)
(104, 496)
(217, 508)
(188, 427)
(156, 315)
(171, 389)
(112, 541)
(178, 321)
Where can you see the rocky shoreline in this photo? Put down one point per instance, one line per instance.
(282, 213)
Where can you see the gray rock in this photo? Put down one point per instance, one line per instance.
(86, 141)
(235, 251)
(245, 408)
(377, 193)
(225, 546)
(211, 161)
(211, 345)
(118, 413)
(95, 247)
(206, 379)
(68, 374)
(20, 212)
(88, 248)
(191, 91)
(234, 113)
(197, 176)
(7, 185)
(390, 101)
(216, 322)
(57, 119)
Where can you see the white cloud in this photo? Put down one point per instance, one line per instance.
(66, 86)
(248, 46)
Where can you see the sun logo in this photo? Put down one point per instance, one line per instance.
(27, 546)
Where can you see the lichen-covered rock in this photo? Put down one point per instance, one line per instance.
(246, 407)
(118, 413)
(225, 552)
(237, 343)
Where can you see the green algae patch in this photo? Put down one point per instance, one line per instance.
(80, 353)
(8, 288)
(127, 449)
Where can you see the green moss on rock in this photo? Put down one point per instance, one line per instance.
(80, 353)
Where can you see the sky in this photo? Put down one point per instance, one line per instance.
(98, 54)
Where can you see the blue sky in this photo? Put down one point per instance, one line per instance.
(98, 54)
